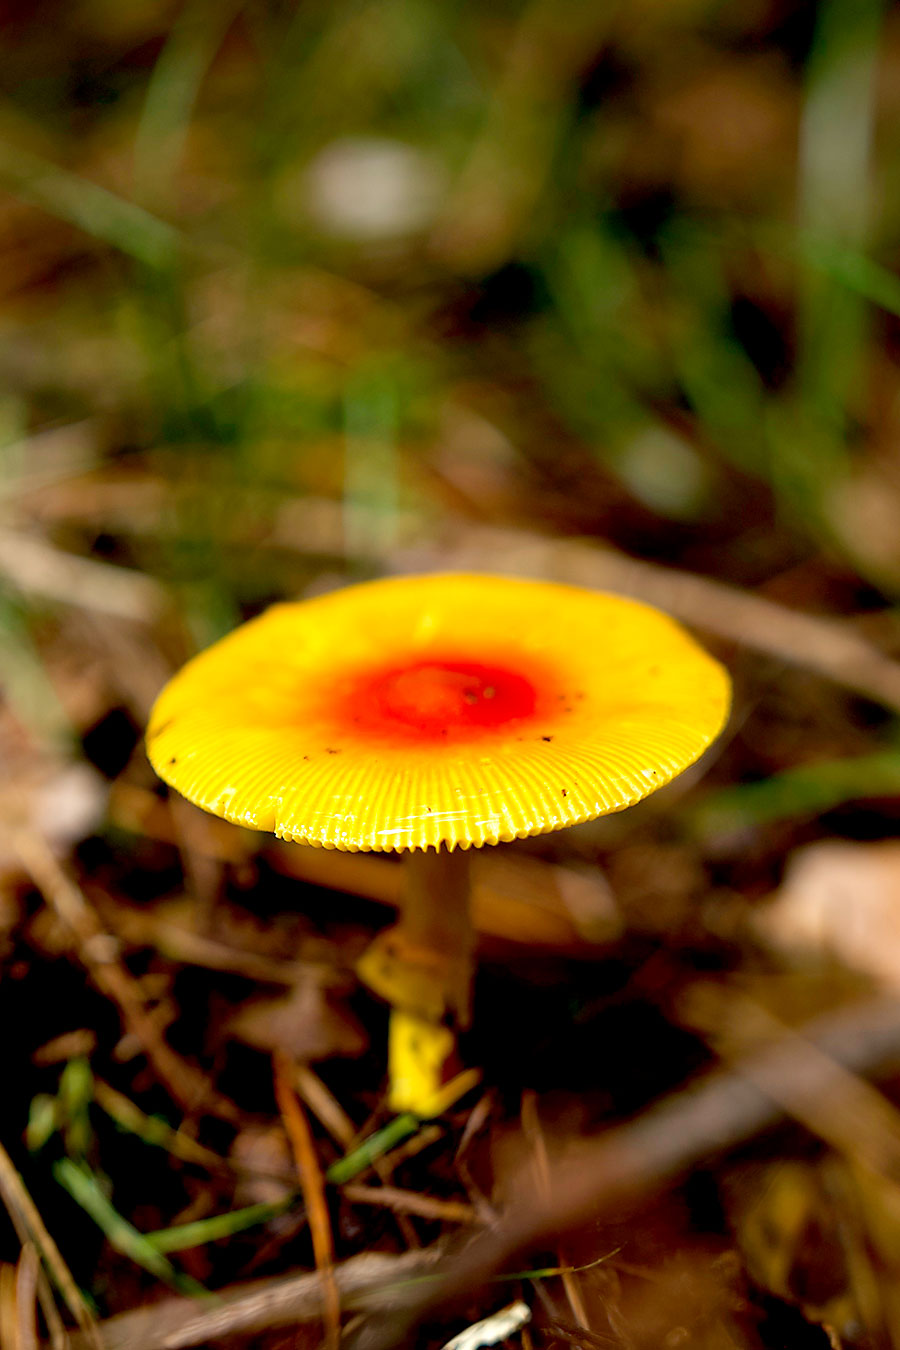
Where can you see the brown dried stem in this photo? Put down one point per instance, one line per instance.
(98, 953)
(312, 1184)
(30, 1227)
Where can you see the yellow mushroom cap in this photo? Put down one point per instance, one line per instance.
(456, 709)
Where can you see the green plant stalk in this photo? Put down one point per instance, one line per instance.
(801, 792)
(85, 1190)
(218, 1226)
(350, 1166)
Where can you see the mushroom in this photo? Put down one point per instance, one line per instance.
(432, 714)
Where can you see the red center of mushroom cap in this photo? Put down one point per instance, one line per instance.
(433, 699)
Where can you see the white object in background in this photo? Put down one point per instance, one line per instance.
(372, 188)
(494, 1329)
(841, 899)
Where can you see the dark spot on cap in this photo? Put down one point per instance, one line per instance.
(564, 791)
(546, 738)
(174, 759)
(330, 751)
(306, 757)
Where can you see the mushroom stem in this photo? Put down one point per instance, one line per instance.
(423, 967)
(436, 919)
(423, 964)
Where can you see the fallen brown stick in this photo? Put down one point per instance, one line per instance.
(368, 1282)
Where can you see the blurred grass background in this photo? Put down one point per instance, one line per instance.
(619, 270)
(291, 285)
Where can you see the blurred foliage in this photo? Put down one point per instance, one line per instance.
(623, 267)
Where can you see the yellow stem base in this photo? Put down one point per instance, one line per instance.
(418, 1049)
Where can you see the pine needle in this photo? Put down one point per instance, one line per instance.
(313, 1186)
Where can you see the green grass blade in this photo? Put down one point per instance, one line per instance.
(26, 685)
(76, 1092)
(802, 792)
(370, 460)
(195, 37)
(853, 270)
(350, 1166)
(100, 213)
(835, 204)
(85, 1190)
(213, 1229)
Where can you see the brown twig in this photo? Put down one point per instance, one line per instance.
(312, 1185)
(860, 1121)
(22, 1287)
(410, 1148)
(372, 1282)
(36, 567)
(9, 1317)
(409, 1202)
(478, 1118)
(534, 1135)
(828, 646)
(27, 1272)
(98, 953)
(123, 1111)
(385, 1167)
(324, 1105)
(30, 1227)
(59, 1338)
(179, 943)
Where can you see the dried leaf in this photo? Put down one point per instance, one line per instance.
(304, 1023)
(843, 900)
